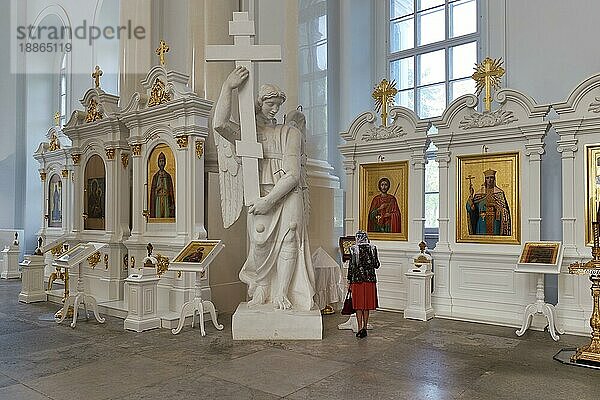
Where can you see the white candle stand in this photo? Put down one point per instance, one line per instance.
(197, 261)
(75, 257)
(540, 258)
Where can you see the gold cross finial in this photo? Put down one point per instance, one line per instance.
(56, 118)
(96, 75)
(384, 96)
(487, 75)
(163, 48)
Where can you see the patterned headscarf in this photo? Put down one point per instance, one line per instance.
(361, 237)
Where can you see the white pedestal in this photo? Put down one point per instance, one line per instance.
(418, 305)
(142, 305)
(10, 262)
(266, 323)
(32, 288)
(78, 298)
(543, 308)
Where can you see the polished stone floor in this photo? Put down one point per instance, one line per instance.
(400, 359)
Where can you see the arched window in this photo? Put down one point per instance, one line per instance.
(62, 90)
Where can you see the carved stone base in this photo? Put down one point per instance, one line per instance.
(265, 323)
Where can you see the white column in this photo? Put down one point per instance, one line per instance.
(77, 208)
(416, 209)
(138, 195)
(443, 159)
(351, 224)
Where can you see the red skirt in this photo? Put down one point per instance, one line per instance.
(364, 296)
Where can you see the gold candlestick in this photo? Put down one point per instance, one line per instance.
(591, 351)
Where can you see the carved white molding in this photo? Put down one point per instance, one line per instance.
(487, 119)
(595, 106)
(382, 133)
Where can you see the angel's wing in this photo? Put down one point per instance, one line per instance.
(297, 119)
(231, 182)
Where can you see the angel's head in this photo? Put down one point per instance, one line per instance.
(269, 100)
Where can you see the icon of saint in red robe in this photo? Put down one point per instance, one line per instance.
(384, 213)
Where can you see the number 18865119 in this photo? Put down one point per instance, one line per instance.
(45, 47)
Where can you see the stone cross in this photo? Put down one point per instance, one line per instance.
(244, 53)
(163, 48)
(487, 75)
(96, 75)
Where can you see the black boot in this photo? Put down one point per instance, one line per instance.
(362, 333)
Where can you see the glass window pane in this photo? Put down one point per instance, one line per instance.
(463, 17)
(431, 100)
(432, 67)
(302, 34)
(400, 8)
(322, 27)
(432, 210)
(303, 61)
(319, 91)
(462, 60)
(406, 98)
(304, 95)
(431, 26)
(425, 4)
(402, 35)
(464, 86)
(403, 72)
(432, 176)
(322, 57)
(319, 120)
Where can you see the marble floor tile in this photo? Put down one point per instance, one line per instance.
(197, 385)
(6, 381)
(107, 379)
(363, 383)
(21, 392)
(276, 371)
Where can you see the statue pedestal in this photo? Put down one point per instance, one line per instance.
(32, 288)
(265, 323)
(10, 263)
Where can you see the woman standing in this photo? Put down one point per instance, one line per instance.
(362, 280)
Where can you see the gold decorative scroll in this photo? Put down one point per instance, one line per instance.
(384, 97)
(199, 148)
(158, 94)
(93, 113)
(106, 261)
(43, 176)
(110, 154)
(487, 75)
(54, 143)
(94, 259)
(136, 149)
(125, 159)
(65, 173)
(57, 250)
(182, 141)
(76, 158)
(162, 264)
(56, 118)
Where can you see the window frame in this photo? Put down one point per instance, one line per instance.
(444, 45)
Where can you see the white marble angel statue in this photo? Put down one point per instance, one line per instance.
(278, 269)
